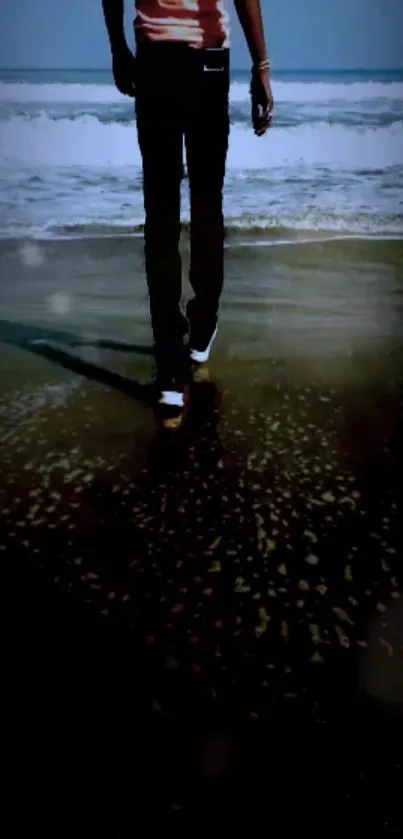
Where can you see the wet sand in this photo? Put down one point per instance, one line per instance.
(207, 630)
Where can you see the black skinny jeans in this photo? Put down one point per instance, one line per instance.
(182, 94)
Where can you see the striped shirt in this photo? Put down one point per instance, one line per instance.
(199, 23)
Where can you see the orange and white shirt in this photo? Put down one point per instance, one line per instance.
(199, 23)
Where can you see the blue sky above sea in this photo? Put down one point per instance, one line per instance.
(321, 34)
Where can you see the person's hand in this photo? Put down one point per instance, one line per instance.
(124, 70)
(262, 101)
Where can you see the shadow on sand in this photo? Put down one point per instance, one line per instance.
(166, 450)
(40, 340)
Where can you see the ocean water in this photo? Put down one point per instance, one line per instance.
(331, 165)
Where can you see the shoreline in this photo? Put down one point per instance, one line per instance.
(325, 237)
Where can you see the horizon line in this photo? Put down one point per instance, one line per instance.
(239, 67)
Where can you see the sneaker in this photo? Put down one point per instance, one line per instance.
(171, 366)
(201, 337)
(170, 404)
(198, 356)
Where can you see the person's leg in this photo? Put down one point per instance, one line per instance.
(160, 135)
(206, 136)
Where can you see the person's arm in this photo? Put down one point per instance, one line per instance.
(123, 61)
(250, 17)
(114, 19)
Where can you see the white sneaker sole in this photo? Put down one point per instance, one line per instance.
(175, 399)
(172, 397)
(201, 356)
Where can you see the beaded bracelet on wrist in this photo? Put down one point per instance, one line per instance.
(265, 64)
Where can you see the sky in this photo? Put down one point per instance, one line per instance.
(300, 34)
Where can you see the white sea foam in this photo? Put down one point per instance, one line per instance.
(332, 162)
(86, 141)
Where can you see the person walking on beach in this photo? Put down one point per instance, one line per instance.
(180, 78)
